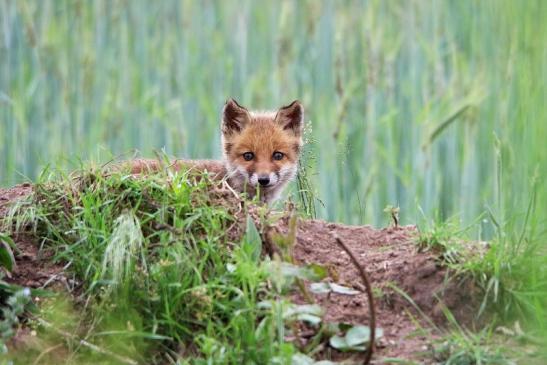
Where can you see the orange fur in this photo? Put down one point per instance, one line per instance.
(261, 134)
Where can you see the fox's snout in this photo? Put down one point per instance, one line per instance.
(265, 180)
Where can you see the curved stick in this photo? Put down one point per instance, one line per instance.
(368, 290)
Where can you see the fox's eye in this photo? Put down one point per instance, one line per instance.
(278, 155)
(248, 156)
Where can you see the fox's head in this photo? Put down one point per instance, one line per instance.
(261, 149)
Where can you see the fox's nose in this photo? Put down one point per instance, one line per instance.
(263, 181)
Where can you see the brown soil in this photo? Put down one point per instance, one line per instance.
(389, 255)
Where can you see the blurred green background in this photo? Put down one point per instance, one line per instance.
(437, 106)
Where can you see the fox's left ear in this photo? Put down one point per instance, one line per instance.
(291, 117)
(234, 117)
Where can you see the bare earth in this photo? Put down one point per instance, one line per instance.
(389, 256)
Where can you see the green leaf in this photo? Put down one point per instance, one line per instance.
(320, 271)
(7, 239)
(7, 260)
(252, 240)
(339, 289)
(340, 343)
(301, 359)
(320, 288)
(356, 339)
(357, 335)
(289, 270)
(303, 308)
(324, 288)
(379, 333)
(310, 313)
(310, 318)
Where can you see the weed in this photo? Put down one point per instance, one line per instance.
(444, 239)
(460, 346)
(512, 272)
(11, 310)
(467, 348)
(508, 270)
(153, 252)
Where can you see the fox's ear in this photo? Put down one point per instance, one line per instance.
(291, 117)
(234, 117)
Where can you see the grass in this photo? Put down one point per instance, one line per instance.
(455, 344)
(462, 347)
(161, 278)
(508, 267)
(492, 344)
(509, 274)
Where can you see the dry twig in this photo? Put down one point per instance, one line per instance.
(368, 290)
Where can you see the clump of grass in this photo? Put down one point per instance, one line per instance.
(467, 348)
(449, 241)
(460, 346)
(125, 242)
(508, 270)
(166, 272)
(455, 344)
(512, 272)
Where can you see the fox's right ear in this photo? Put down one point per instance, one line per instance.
(291, 117)
(234, 117)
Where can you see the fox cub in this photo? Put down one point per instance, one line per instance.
(260, 149)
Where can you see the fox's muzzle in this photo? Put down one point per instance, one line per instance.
(265, 180)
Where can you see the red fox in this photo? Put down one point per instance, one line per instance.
(260, 150)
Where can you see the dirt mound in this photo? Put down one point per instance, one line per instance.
(33, 268)
(389, 255)
(392, 261)
(391, 258)
(7, 196)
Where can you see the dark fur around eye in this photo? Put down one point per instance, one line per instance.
(248, 156)
(278, 155)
